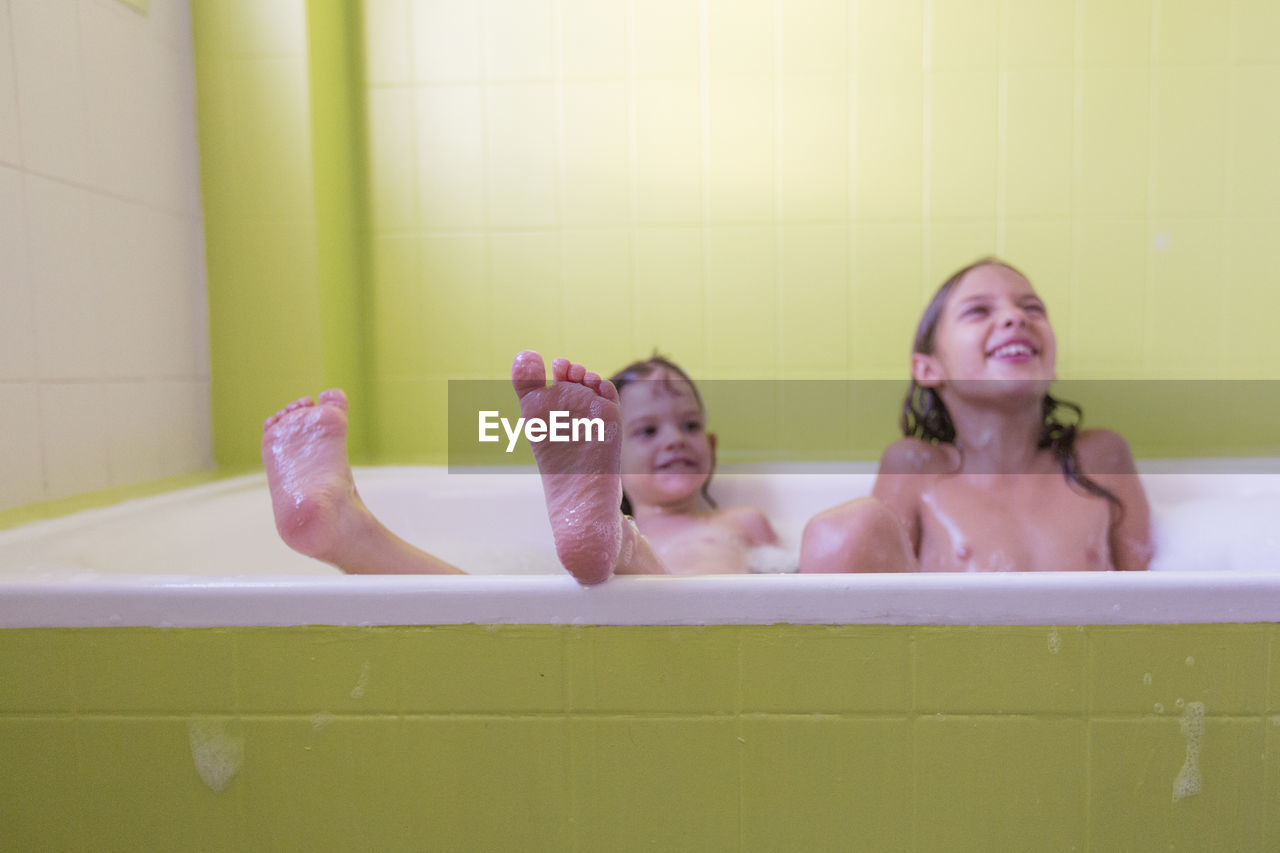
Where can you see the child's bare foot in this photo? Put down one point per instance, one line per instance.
(582, 479)
(304, 448)
(317, 509)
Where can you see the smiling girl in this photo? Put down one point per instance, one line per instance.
(987, 477)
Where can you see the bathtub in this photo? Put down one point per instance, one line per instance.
(173, 677)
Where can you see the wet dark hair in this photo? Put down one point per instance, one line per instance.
(925, 416)
(638, 371)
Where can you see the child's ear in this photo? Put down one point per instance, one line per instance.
(926, 370)
(711, 440)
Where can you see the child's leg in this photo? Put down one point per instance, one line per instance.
(581, 479)
(863, 535)
(317, 509)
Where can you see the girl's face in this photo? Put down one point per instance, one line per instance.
(992, 327)
(666, 451)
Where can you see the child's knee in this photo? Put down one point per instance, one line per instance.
(861, 535)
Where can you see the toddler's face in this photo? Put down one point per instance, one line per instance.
(666, 451)
(993, 327)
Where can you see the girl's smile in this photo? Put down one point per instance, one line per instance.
(993, 326)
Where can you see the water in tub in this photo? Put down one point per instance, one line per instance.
(496, 523)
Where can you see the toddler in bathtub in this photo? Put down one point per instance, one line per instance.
(654, 467)
(637, 503)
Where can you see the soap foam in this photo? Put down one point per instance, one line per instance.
(217, 753)
(1187, 783)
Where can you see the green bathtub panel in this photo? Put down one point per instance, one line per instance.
(470, 668)
(320, 669)
(498, 784)
(639, 669)
(656, 784)
(1223, 666)
(143, 788)
(826, 783)
(825, 669)
(999, 783)
(35, 670)
(1273, 673)
(1271, 826)
(153, 669)
(1137, 770)
(41, 793)
(997, 669)
(387, 783)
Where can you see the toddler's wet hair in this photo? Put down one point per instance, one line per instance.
(641, 371)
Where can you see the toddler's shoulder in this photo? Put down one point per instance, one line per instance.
(750, 523)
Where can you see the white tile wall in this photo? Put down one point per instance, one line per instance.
(17, 335)
(8, 92)
(21, 471)
(104, 364)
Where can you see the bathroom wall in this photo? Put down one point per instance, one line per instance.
(104, 366)
(760, 189)
(772, 189)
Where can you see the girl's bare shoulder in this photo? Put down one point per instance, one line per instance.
(1103, 451)
(916, 456)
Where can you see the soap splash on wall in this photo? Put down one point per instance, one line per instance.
(1187, 783)
(217, 752)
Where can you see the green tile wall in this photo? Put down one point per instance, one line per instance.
(640, 738)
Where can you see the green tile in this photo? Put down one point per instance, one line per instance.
(41, 793)
(495, 784)
(317, 669)
(150, 669)
(654, 668)
(388, 783)
(143, 788)
(999, 669)
(1273, 674)
(35, 669)
(986, 783)
(655, 784)
(1152, 787)
(1147, 669)
(825, 669)
(490, 669)
(1271, 806)
(812, 783)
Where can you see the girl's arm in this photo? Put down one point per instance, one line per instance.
(903, 468)
(1106, 459)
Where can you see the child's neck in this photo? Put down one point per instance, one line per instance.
(997, 440)
(692, 505)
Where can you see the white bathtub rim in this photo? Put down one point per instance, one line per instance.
(1049, 598)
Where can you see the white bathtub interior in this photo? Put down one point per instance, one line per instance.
(1208, 515)
(209, 556)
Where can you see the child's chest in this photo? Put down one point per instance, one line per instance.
(697, 545)
(1026, 522)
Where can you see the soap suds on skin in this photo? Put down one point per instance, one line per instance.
(217, 752)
